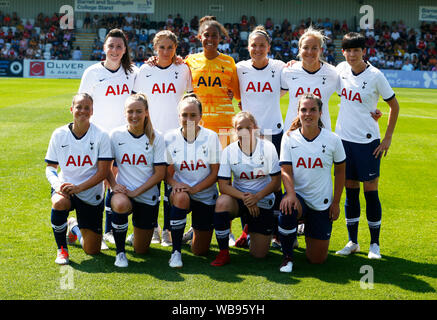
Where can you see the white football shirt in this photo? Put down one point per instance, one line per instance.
(312, 162)
(322, 83)
(359, 96)
(164, 88)
(251, 173)
(78, 157)
(191, 161)
(260, 91)
(136, 159)
(109, 90)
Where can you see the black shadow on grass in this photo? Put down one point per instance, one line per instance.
(337, 269)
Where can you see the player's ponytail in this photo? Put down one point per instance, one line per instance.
(148, 127)
(296, 124)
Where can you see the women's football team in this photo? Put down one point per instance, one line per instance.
(218, 165)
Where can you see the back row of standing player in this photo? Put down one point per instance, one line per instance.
(261, 81)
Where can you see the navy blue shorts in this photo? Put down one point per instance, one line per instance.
(317, 223)
(144, 216)
(88, 216)
(361, 164)
(202, 215)
(263, 224)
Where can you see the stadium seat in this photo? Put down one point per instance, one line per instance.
(5, 29)
(102, 34)
(13, 29)
(151, 31)
(38, 30)
(47, 55)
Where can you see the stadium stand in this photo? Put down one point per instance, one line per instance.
(389, 45)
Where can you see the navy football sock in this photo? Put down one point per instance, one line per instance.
(287, 230)
(166, 209)
(58, 219)
(222, 226)
(352, 212)
(108, 213)
(120, 224)
(374, 213)
(178, 220)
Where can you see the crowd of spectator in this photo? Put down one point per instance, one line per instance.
(39, 38)
(389, 46)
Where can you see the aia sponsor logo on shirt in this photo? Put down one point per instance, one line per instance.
(259, 87)
(309, 163)
(191, 166)
(117, 90)
(78, 161)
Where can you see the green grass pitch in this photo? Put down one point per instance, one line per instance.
(30, 109)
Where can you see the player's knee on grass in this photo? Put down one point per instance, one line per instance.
(142, 238)
(259, 245)
(201, 242)
(317, 250)
(91, 241)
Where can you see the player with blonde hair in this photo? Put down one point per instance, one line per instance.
(139, 151)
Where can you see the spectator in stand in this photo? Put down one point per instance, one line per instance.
(344, 27)
(178, 21)
(407, 66)
(7, 20)
(395, 35)
(77, 54)
(398, 63)
(143, 37)
(95, 22)
(87, 21)
(140, 54)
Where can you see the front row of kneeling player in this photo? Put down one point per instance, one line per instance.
(248, 172)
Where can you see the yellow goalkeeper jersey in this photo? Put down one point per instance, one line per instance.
(211, 81)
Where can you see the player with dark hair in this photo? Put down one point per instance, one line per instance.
(110, 83)
(214, 74)
(308, 153)
(215, 81)
(361, 86)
